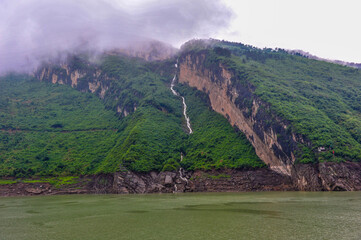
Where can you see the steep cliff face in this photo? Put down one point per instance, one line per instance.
(272, 137)
(274, 143)
(328, 176)
(85, 77)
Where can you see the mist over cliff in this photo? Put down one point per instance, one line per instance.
(35, 30)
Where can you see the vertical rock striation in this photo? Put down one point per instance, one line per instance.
(273, 142)
(85, 78)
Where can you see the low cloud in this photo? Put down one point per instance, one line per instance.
(32, 31)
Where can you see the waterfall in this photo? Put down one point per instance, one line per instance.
(181, 176)
(181, 170)
(184, 103)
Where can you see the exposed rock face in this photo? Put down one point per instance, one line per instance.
(273, 142)
(317, 177)
(129, 182)
(328, 176)
(199, 181)
(312, 177)
(86, 79)
(270, 135)
(236, 180)
(29, 189)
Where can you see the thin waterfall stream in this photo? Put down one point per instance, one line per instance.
(184, 102)
(181, 170)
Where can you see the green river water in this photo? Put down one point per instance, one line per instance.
(271, 215)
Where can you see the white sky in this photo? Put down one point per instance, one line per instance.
(325, 28)
(34, 30)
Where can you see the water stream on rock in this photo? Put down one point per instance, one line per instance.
(181, 170)
(184, 102)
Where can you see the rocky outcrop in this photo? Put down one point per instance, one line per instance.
(271, 137)
(43, 188)
(85, 77)
(126, 182)
(328, 176)
(312, 177)
(227, 180)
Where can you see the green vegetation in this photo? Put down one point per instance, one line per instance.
(6, 181)
(155, 134)
(30, 105)
(51, 129)
(55, 181)
(54, 130)
(321, 100)
(214, 143)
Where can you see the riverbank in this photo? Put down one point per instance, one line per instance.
(311, 177)
(228, 180)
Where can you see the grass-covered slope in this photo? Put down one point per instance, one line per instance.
(48, 129)
(155, 134)
(52, 129)
(214, 142)
(321, 100)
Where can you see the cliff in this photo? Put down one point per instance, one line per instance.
(111, 73)
(230, 93)
(81, 74)
(272, 137)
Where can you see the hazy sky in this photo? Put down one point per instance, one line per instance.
(34, 30)
(326, 28)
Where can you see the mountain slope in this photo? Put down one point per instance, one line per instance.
(322, 100)
(50, 129)
(147, 134)
(292, 109)
(249, 108)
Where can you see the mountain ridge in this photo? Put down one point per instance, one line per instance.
(269, 92)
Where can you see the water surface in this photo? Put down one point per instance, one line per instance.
(272, 215)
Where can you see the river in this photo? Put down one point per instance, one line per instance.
(263, 215)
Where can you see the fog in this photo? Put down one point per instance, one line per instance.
(32, 31)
